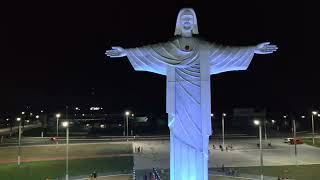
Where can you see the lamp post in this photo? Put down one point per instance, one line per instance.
(127, 117)
(258, 123)
(312, 123)
(132, 128)
(19, 147)
(222, 119)
(294, 140)
(66, 125)
(58, 116)
(212, 116)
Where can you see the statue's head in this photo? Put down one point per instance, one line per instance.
(186, 22)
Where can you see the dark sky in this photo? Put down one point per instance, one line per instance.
(53, 54)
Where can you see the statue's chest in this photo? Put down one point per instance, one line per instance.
(187, 44)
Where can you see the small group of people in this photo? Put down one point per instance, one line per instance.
(229, 171)
(282, 178)
(228, 147)
(93, 175)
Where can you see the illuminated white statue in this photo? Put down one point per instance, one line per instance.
(188, 62)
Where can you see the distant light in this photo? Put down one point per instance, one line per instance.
(211, 115)
(119, 125)
(127, 113)
(31, 114)
(303, 117)
(7, 119)
(77, 109)
(18, 119)
(102, 126)
(132, 115)
(318, 115)
(37, 116)
(256, 122)
(273, 121)
(58, 115)
(22, 113)
(27, 121)
(82, 114)
(65, 124)
(284, 116)
(94, 108)
(314, 112)
(41, 111)
(224, 114)
(87, 125)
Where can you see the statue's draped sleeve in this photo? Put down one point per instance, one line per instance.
(225, 58)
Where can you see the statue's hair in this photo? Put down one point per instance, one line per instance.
(195, 23)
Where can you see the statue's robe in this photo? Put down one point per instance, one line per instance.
(188, 64)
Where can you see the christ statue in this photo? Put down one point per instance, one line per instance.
(187, 62)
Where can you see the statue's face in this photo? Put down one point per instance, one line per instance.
(187, 20)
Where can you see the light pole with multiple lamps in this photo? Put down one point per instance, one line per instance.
(19, 147)
(312, 124)
(222, 122)
(258, 123)
(66, 125)
(127, 117)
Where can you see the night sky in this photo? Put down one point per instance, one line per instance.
(52, 54)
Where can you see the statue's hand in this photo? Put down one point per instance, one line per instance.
(116, 52)
(265, 48)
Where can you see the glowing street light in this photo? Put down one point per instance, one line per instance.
(58, 116)
(222, 122)
(258, 123)
(127, 117)
(19, 147)
(66, 125)
(37, 116)
(312, 123)
(22, 113)
(273, 121)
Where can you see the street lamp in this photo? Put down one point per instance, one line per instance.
(66, 125)
(312, 123)
(19, 147)
(58, 116)
(127, 117)
(132, 128)
(222, 119)
(258, 123)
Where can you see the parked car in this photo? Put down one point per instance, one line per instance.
(296, 141)
(287, 140)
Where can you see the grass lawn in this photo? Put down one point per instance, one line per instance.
(44, 169)
(82, 150)
(309, 141)
(302, 172)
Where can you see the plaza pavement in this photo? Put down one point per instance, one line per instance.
(245, 153)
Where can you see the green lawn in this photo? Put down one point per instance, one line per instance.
(303, 172)
(82, 150)
(309, 141)
(44, 169)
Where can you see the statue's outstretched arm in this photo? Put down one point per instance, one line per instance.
(116, 52)
(265, 48)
